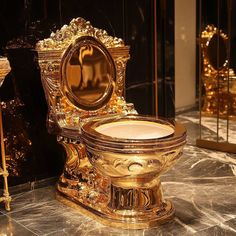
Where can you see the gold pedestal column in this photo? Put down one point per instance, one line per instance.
(4, 70)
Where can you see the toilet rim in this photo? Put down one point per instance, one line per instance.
(91, 136)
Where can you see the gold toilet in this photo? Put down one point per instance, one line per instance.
(114, 156)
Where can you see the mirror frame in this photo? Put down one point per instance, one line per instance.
(206, 37)
(209, 56)
(65, 88)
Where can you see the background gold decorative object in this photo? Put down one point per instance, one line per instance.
(4, 70)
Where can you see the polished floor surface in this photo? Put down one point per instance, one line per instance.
(202, 186)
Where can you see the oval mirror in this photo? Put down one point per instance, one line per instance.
(88, 74)
(217, 48)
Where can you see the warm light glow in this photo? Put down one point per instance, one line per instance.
(135, 130)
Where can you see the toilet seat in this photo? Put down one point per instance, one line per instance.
(135, 129)
(91, 135)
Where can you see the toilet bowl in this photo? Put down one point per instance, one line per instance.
(114, 156)
(133, 151)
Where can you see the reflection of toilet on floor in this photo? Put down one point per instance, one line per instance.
(114, 156)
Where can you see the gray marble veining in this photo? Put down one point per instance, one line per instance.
(9, 226)
(219, 230)
(209, 125)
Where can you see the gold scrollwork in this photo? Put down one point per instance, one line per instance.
(78, 27)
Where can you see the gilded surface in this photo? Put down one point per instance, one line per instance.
(219, 83)
(4, 70)
(78, 27)
(62, 113)
(138, 203)
(17, 142)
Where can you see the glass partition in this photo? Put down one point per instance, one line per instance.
(217, 79)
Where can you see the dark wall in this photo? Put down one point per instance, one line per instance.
(165, 61)
(133, 20)
(220, 13)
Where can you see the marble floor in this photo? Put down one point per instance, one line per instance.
(202, 186)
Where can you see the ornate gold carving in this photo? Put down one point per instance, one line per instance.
(50, 81)
(219, 83)
(134, 168)
(4, 68)
(17, 142)
(133, 201)
(121, 66)
(79, 179)
(62, 113)
(78, 27)
(206, 37)
(146, 165)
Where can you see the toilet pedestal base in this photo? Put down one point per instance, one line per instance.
(124, 208)
(133, 202)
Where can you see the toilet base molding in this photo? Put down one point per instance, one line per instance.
(125, 220)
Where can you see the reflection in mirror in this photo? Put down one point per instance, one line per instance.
(217, 51)
(218, 96)
(89, 74)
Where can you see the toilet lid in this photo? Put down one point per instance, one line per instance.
(88, 74)
(135, 129)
